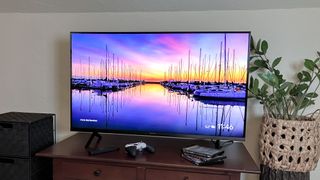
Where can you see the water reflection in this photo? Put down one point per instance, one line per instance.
(153, 108)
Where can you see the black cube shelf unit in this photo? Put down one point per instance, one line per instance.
(22, 135)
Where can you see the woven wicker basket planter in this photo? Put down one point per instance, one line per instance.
(290, 145)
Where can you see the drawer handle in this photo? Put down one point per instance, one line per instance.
(186, 178)
(6, 125)
(97, 172)
(6, 161)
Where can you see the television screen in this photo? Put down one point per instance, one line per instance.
(190, 84)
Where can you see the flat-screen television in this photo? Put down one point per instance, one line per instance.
(181, 84)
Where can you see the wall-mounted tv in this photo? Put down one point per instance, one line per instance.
(181, 84)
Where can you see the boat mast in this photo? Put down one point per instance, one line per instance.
(219, 75)
(106, 62)
(81, 68)
(189, 67)
(89, 68)
(225, 58)
(233, 70)
(199, 66)
(117, 68)
(112, 66)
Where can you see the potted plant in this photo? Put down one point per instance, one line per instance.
(289, 142)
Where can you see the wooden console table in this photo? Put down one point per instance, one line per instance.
(71, 161)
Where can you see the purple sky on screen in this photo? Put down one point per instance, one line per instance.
(154, 53)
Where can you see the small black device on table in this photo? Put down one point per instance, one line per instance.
(133, 148)
(201, 156)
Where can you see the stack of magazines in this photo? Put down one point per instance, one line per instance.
(201, 156)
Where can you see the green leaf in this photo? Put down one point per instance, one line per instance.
(276, 62)
(305, 103)
(253, 69)
(285, 85)
(279, 76)
(293, 92)
(312, 95)
(300, 76)
(269, 78)
(309, 64)
(253, 56)
(294, 101)
(251, 83)
(282, 92)
(290, 87)
(318, 76)
(318, 53)
(276, 72)
(297, 90)
(307, 76)
(252, 44)
(264, 89)
(302, 87)
(259, 52)
(255, 86)
(258, 46)
(261, 64)
(264, 46)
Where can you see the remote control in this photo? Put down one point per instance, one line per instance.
(100, 150)
(133, 148)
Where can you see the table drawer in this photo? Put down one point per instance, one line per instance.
(65, 170)
(155, 174)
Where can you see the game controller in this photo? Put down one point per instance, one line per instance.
(133, 148)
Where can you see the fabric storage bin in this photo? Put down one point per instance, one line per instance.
(25, 168)
(24, 134)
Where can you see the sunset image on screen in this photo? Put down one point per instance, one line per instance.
(118, 78)
(159, 57)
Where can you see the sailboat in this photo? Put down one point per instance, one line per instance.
(223, 91)
(228, 93)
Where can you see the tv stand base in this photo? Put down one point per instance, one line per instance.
(96, 149)
(218, 144)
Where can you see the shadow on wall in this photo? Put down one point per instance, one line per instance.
(254, 119)
(62, 85)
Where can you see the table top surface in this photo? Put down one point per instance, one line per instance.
(167, 152)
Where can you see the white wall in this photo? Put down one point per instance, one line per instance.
(34, 52)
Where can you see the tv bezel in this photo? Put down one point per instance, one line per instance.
(168, 135)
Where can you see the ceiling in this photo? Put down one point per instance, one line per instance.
(43, 6)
